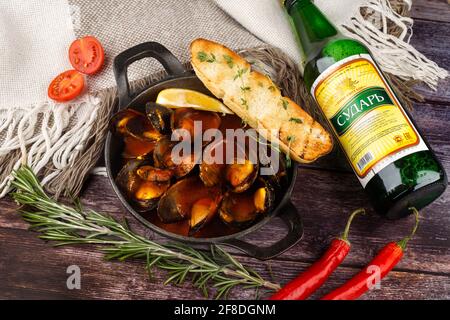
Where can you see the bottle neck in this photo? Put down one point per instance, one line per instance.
(312, 27)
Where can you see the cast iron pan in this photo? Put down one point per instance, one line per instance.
(178, 77)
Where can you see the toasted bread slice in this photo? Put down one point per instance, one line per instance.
(257, 100)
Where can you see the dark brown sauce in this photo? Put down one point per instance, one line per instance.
(215, 228)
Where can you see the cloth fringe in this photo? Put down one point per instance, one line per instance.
(44, 133)
(386, 31)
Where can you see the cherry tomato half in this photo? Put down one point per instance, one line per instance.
(67, 86)
(86, 55)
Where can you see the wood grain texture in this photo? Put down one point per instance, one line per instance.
(325, 193)
(431, 39)
(114, 280)
(431, 10)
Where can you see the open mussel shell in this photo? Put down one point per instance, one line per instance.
(137, 149)
(233, 169)
(202, 211)
(241, 209)
(143, 184)
(264, 195)
(212, 168)
(152, 174)
(159, 116)
(241, 174)
(189, 199)
(195, 122)
(165, 157)
(119, 121)
(212, 174)
(132, 123)
(238, 177)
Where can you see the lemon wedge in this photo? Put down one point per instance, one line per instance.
(185, 98)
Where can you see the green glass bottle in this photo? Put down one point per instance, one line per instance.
(387, 152)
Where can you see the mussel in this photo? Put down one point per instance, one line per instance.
(159, 117)
(264, 196)
(137, 149)
(241, 174)
(190, 120)
(132, 123)
(212, 174)
(143, 184)
(241, 209)
(189, 199)
(238, 177)
(212, 168)
(164, 157)
(236, 172)
(152, 174)
(202, 211)
(139, 135)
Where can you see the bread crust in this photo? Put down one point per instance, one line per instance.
(259, 102)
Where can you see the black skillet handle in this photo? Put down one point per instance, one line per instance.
(144, 50)
(293, 221)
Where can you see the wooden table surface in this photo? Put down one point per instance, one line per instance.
(324, 194)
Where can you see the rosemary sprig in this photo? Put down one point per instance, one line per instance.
(68, 225)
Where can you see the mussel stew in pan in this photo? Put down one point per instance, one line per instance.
(185, 192)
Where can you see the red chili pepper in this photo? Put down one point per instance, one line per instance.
(386, 259)
(309, 281)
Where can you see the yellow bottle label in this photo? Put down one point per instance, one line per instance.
(365, 115)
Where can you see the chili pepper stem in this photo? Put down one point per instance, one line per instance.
(344, 236)
(402, 243)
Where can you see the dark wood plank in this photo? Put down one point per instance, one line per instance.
(46, 279)
(431, 39)
(432, 10)
(324, 199)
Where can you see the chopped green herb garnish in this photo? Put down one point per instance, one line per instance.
(204, 57)
(229, 60)
(245, 88)
(244, 103)
(271, 88)
(290, 139)
(296, 120)
(285, 104)
(239, 73)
